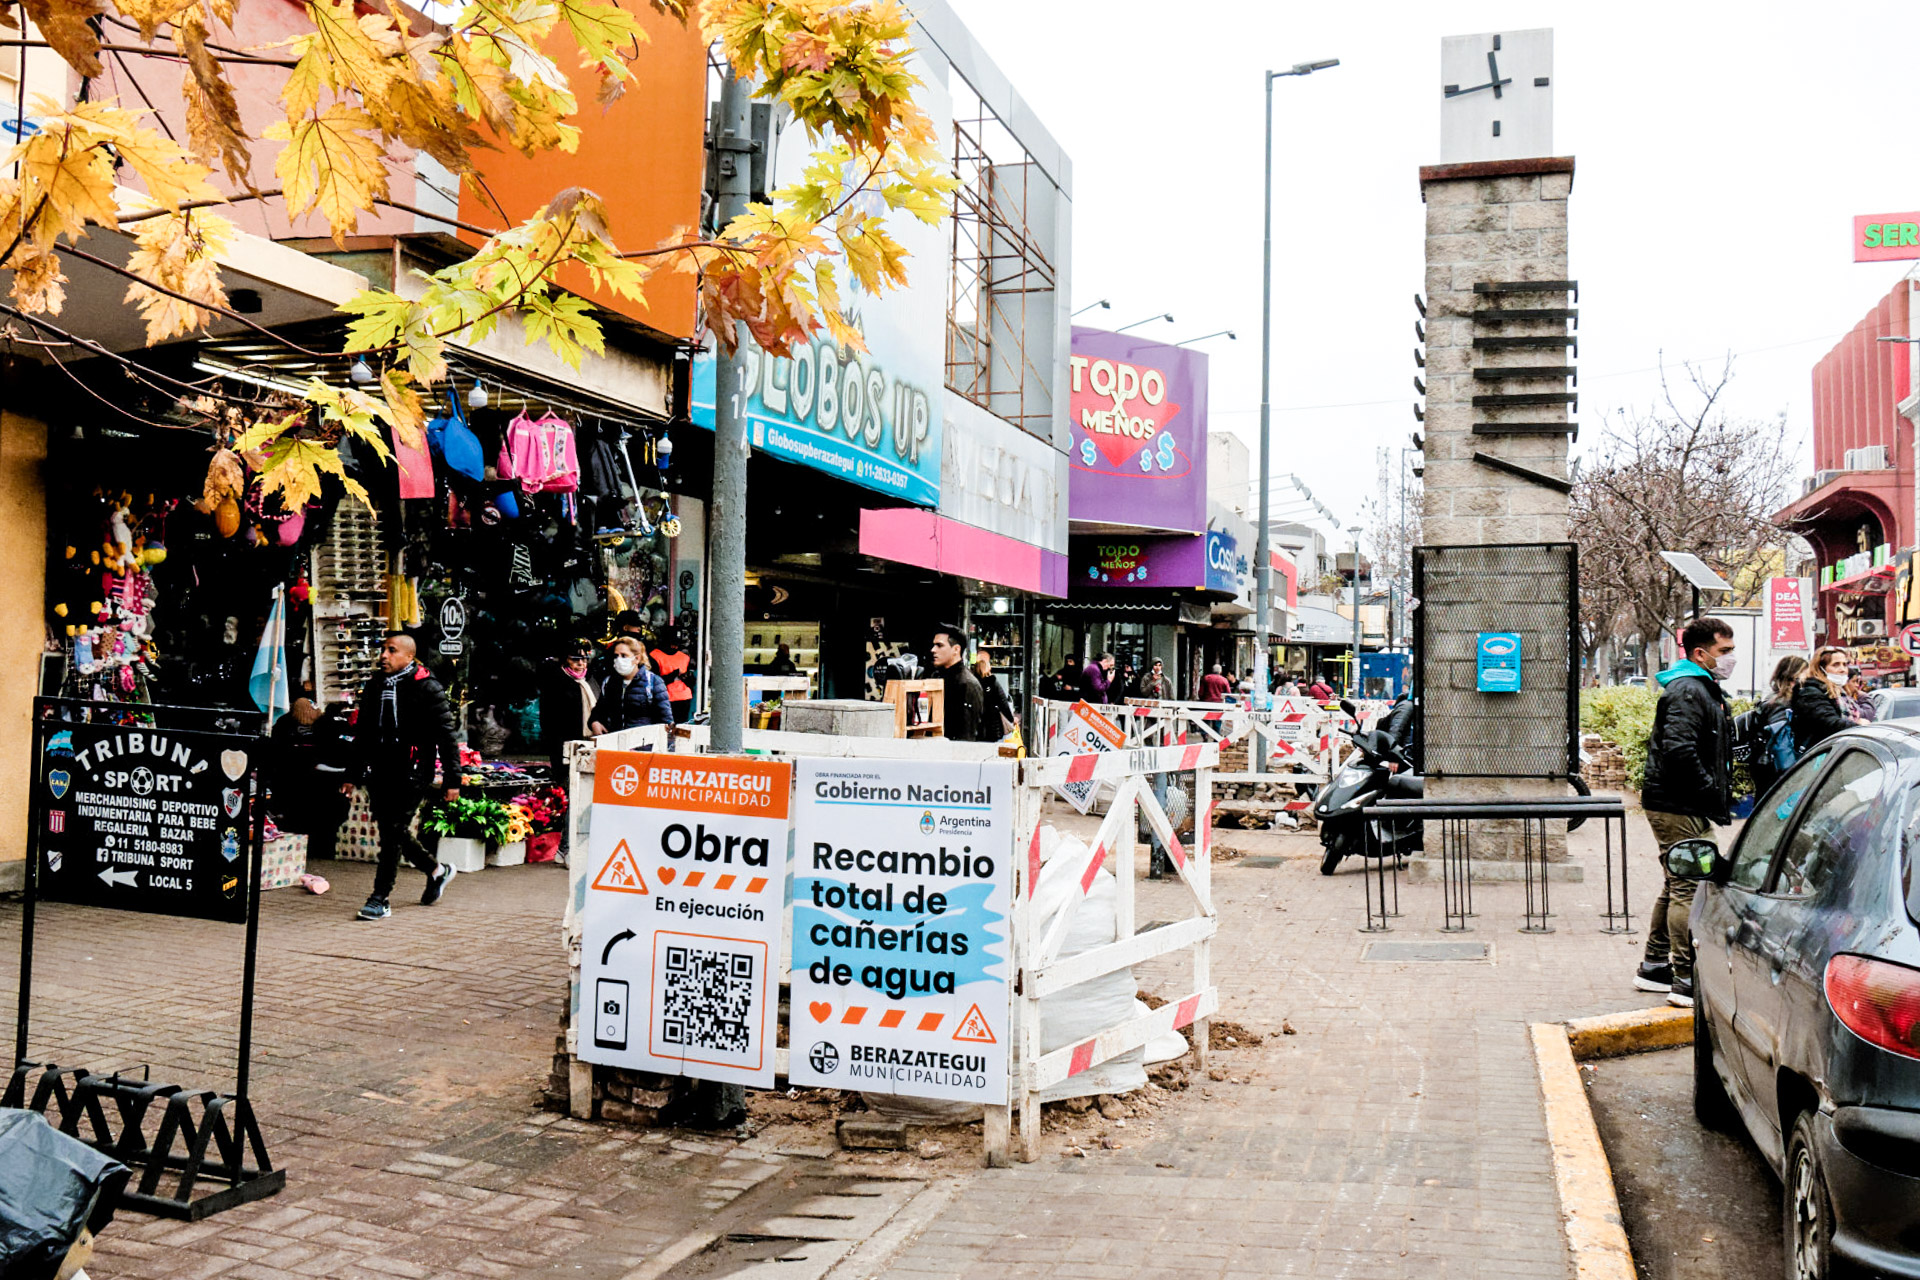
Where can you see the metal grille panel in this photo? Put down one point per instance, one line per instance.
(1526, 588)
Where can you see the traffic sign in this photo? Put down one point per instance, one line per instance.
(1910, 639)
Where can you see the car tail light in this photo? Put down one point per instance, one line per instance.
(1878, 1001)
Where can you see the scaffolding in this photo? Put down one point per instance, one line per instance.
(1000, 333)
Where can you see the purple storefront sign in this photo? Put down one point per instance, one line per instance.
(1139, 454)
(1178, 561)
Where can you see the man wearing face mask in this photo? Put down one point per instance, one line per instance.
(1689, 787)
(634, 695)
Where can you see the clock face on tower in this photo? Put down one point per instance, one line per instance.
(1496, 96)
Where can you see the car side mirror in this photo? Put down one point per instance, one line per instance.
(1696, 859)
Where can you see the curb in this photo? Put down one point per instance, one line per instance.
(1589, 1210)
(1633, 1032)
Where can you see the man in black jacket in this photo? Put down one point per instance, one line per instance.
(966, 701)
(1688, 787)
(403, 741)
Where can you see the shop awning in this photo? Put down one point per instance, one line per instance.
(1874, 582)
(928, 540)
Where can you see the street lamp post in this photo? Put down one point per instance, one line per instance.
(1353, 676)
(1262, 552)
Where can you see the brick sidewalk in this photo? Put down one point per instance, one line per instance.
(1398, 1134)
(398, 1068)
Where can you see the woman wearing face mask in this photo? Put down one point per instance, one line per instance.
(635, 695)
(1817, 713)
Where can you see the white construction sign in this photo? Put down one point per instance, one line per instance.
(681, 928)
(902, 892)
(1084, 730)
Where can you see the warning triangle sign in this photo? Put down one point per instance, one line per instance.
(622, 873)
(974, 1027)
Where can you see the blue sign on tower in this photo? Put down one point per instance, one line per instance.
(1498, 654)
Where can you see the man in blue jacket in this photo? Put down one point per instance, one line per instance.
(1688, 787)
(633, 695)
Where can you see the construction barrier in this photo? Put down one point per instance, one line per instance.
(1034, 966)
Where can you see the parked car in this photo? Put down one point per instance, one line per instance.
(1895, 704)
(1807, 998)
(1638, 682)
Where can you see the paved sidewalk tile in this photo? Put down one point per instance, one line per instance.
(398, 1067)
(1399, 1133)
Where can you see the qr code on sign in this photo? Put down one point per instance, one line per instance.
(706, 998)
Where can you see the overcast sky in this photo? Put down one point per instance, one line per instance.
(1723, 150)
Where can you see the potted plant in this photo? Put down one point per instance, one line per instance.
(510, 846)
(464, 827)
(547, 811)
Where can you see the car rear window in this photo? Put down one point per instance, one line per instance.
(1905, 708)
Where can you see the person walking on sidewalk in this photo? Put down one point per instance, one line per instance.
(1688, 788)
(634, 696)
(1818, 711)
(1212, 687)
(404, 748)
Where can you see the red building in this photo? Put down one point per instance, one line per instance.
(1857, 509)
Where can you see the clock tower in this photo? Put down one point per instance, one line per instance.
(1499, 334)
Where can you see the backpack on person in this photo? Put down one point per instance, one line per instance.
(1763, 741)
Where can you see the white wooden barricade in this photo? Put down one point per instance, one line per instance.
(1034, 961)
(1042, 973)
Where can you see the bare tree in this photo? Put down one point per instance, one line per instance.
(1674, 478)
(1391, 519)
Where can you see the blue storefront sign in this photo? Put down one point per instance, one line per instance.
(1224, 562)
(840, 412)
(1498, 654)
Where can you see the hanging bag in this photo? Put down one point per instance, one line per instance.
(455, 442)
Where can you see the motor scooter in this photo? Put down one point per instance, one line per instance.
(1363, 779)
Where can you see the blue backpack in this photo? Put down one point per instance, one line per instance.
(1776, 739)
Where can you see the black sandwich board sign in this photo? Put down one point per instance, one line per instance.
(146, 819)
(159, 809)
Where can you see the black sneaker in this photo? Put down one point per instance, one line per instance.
(376, 909)
(1680, 995)
(437, 884)
(1654, 977)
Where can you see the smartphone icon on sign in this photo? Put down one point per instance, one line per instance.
(610, 1013)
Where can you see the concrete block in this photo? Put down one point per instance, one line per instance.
(1494, 870)
(1556, 186)
(1446, 360)
(1455, 249)
(1543, 216)
(845, 717)
(1524, 187)
(1447, 530)
(1479, 502)
(1454, 192)
(1452, 219)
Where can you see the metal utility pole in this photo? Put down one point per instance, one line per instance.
(1262, 551)
(727, 515)
(1353, 677)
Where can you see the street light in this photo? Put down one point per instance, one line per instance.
(1103, 304)
(1231, 337)
(1167, 316)
(1353, 676)
(1263, 552)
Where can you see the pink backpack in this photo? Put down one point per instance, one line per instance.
(539, 454)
